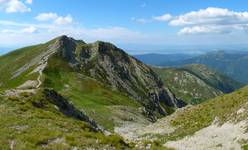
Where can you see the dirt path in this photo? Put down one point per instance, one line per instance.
(31, 86)
(40, 71)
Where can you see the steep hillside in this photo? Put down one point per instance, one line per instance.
(220, 123)
(112, 66)
(196, 83)
(93, 97)
(186, 85)
(97, 78)
(37, 121)
(15, 67)
(213, 78)
(221, 115)
(232, 64)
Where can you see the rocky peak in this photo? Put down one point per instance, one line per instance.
(107, 48)
(115, 68)
(101, 49)
(67, 47)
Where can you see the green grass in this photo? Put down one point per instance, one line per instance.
(32, 127)
(186, 86)
(202, 115)
(213, 78)
(85, 93)
(245, 147)
(13, 61)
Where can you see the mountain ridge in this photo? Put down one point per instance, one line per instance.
(101, 61)
(232, 64)
(67, 91)
(195, 83)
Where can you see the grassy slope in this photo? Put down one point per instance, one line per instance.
(20, 113)
(245, 147)
(213, 78)
(13, 61)
(26, 126)
(232, 64)
(197, 117)
(85, 93)
(186, 86)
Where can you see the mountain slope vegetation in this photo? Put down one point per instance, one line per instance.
(187, 86)
(88, 94)
(95, 84)
(213, 78)
(219, 123)
(196, 83)
(57, 94)
(32, 121)
(231, 108)
(232, 64)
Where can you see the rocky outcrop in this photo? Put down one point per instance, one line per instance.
(115, 68)
(67, 48)
(68, 109)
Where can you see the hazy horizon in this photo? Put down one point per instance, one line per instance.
(167, 49)
(147, 27)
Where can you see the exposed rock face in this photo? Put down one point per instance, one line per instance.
(68, 109)
(67, 48)
(112, 66)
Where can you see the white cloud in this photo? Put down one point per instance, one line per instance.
(26, 30)
(63, 20)
(30, 29)
(16, 32)
(214, 29)
(46, 16)
(56, 19)
(165, 17)
(29, 1)
(13, 6)
(211, 20)
(200, 30)
(211, 15)
(3, 1)
(117, 34)
(141, 20)
(7, 31)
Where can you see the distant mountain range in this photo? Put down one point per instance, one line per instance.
(160, 59)
(230, 63)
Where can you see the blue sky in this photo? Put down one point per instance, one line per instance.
(136, 25)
